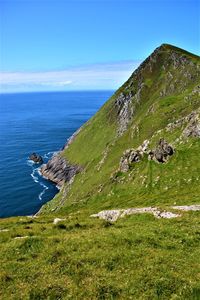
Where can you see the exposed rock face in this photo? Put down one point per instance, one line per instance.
(195, 207)
(124, 112)
(191, 123)
(36, 158)
(162, 152)
(115, 214)
(193, 128)
(58, 170)
(131, 156)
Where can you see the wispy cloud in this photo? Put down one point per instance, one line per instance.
(55, 83)
(96, 76)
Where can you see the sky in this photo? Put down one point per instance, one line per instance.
(48, 45)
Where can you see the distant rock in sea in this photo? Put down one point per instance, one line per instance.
(36, 158)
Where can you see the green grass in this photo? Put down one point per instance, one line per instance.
(139, 257)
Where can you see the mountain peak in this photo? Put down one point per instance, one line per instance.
(167, 57)
(171, 48)
(168, 70)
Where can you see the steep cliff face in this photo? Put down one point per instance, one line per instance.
(160, 101)
(59, 170)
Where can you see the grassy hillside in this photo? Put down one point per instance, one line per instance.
(139, 256)
(164, 89)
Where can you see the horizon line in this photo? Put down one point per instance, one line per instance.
(56, 91)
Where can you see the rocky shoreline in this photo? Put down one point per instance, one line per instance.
(58, 169)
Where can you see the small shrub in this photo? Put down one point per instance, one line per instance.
(61, 226)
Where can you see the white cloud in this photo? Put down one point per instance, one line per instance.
(56, 83)
(96, 76)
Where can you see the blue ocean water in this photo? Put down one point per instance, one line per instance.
(42, 123)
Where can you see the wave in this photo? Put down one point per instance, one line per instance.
(35, 172)
(50, 154)
(58, 187)
(44, 190)
(35, 178)
(30, 162)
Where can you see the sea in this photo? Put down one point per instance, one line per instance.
(41, 123)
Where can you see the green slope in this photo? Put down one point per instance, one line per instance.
(164, 89)
(139, 256)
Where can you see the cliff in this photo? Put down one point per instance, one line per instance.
(159, 101)
(59, 170)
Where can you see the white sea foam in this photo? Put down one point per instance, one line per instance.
(35, 178)
(35, 172)
(30, 162)
(49, 154)
(58, 187)
(44, 190)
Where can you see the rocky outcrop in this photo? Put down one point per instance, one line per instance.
(36, 158)
(193, 127)
(162, 152)
(57, 220)
(124, 112)
(59, 170)
(131, 156)
(195, 207)
(115, 214)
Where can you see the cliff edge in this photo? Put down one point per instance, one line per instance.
(159, 102)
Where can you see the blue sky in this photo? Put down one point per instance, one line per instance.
(79, 44)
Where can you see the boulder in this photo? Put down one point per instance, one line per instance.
(57, 220)
(193, 129)
(36, 158)
(124, 165)
(131, 156)
(162, 151)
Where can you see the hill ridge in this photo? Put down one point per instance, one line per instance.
(161, 91)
